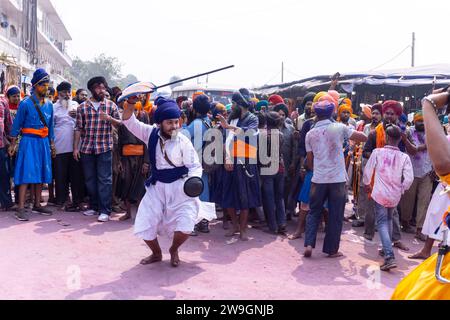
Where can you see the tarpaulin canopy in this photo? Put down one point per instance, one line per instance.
(417, 76)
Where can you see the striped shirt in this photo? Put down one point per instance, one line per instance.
(96, 135)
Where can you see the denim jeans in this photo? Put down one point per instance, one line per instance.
(5, 178)
(336, 195)
(370, 223)
(98, 177)
(273, 200)
(385, 218)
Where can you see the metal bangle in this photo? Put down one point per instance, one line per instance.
(430, 101)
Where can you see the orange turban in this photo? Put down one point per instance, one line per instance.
(418, 116)
(198, 93)
(138, 106)
(367, 110)
(324, 96)
(345, 106)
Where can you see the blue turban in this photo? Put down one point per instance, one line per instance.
(403, 118)
(202, 104)
(12, 91)
(262, 103)
(166, 110)
(40, 75)
(324, 109)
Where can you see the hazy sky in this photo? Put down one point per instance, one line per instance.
(158, 39)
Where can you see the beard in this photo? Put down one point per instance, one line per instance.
(420, 128)
(236, 113)
(98, 97)
(169, 134)
(65, 103)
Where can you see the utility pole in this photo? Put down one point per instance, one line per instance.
(413, 47)
(282, 72)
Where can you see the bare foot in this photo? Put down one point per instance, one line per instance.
(125, 217)
(243, 236)
(174, 259)
(308, 252)
(152, 259)
(419, 256)
(401, 246)
(295, 236)
(336, 255)
(232, 233)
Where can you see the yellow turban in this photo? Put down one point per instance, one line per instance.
(319, 95)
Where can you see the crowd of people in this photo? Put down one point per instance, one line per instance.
(100, 151)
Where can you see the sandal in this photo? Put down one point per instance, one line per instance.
(73, 208)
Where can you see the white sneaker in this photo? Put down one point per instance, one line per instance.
(103, 218)
(89, 213)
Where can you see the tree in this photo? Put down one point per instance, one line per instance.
(129, 79)
(102, 65)
(173, 79)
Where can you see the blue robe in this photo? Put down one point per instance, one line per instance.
(34, 160)
(240, 191)
(198, 144)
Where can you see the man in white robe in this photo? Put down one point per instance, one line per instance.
(165, 208)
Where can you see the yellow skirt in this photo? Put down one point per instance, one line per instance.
(422, 284)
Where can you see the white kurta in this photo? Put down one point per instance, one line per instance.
(165, 208)
(438, 206)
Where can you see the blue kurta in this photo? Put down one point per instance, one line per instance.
(197, 126)
(33, 161)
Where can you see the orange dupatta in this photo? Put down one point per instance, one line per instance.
(381, 142)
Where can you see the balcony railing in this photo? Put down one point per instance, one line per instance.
(64, 55)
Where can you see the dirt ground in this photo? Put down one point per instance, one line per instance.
(70, 256)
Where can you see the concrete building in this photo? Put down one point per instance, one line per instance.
(23, 48)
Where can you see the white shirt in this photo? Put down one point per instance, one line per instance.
(393, 175)
(96, 105)
(301, 121)
(179, 149)
(64, 126)
(326, 142)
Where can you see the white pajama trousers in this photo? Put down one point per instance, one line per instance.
(438, 206)
(164, 210)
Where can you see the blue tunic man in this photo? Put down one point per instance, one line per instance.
(34, 122)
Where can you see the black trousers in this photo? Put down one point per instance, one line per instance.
(68, 172)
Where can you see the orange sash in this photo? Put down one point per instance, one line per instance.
(244, 150)
(381, 142)
(130, 150)
(446, 179)
(43, 133)
(381, 136)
